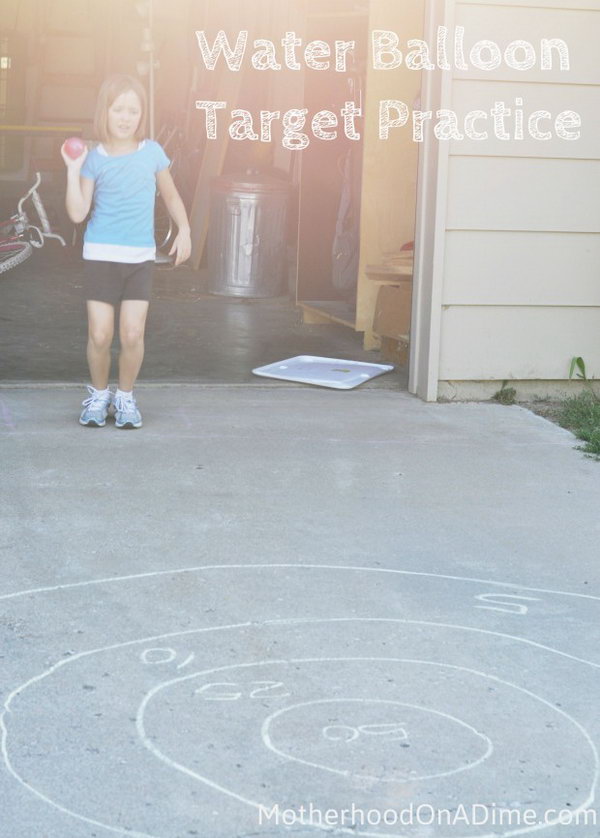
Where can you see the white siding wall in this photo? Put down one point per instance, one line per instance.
(521, 293)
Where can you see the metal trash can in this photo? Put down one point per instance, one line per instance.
(247, 235)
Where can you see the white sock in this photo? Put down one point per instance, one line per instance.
(104, 392)
(124, 393)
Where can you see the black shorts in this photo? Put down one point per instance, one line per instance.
(111, 282)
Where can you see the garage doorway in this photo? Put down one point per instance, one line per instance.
(348, 276)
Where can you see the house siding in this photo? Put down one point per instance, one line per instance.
(521, 269)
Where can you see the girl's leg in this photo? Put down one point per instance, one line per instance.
(132, 324)
(101, 325)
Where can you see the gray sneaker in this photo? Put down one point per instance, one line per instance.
(127, 414)
(95, 408)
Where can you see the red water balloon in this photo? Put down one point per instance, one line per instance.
(74, 147)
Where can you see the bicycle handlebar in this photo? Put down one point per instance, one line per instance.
(38, 180)
(46, 231)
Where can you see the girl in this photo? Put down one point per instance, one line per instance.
(120, 176)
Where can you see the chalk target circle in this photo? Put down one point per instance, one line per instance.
(394, 732)
(271, 725)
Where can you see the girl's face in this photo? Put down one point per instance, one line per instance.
(124, 116)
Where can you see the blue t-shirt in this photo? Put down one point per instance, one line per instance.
(121, 228)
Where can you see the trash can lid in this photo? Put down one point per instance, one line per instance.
(250, 181)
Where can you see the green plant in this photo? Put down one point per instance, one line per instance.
(581, 415)
(579, 364)
(505, 395)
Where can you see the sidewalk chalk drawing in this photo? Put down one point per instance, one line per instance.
(404, 688)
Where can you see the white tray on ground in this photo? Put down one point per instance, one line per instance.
(324, 372)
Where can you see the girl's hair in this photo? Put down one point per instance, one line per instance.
(111, 89)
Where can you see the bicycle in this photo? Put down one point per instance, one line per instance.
(18, 236)
(172, 137)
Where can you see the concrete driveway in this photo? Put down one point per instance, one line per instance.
(275, 602)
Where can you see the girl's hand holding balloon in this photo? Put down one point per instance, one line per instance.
(74, 151)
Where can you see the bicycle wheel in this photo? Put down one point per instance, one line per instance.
(163, 225)
(13, 254)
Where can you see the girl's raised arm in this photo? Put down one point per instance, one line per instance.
(79, 189)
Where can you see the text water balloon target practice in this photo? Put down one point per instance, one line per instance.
(502, 121)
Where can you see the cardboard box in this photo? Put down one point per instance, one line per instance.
(392, 311)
